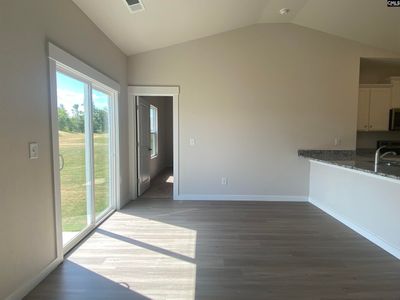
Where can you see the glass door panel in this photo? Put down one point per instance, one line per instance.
(73, 153)
(102, 151)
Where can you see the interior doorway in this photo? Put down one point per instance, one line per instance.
(154, 140)
(155, 146)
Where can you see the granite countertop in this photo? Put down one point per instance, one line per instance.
(357, 160)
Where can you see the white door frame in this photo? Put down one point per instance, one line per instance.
(160, 91)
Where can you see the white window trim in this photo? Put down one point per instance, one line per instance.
(85, 71)
(153, 156)
(63, 61)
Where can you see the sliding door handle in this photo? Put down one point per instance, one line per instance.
(61, 158)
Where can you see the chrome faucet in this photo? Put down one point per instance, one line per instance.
(378, 156)
(387, 153)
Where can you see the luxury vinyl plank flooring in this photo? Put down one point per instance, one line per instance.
(163, 249)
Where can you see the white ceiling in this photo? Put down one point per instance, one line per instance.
(167, 22)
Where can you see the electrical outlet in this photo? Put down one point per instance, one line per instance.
(224, 181)
(192, 141)
(33, 150)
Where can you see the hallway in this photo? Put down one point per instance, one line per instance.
(161, 186)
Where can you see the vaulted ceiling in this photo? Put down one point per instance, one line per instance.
(167, 22)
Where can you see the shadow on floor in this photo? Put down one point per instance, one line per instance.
(81, 284)
(146, 246)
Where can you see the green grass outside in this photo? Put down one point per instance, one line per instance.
(73, 178)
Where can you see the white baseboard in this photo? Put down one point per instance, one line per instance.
(281, 198)
(365, 233)
(28, 286)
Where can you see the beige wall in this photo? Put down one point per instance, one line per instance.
(252, 97)
(165, 135)
(375, 72)
(26, 190)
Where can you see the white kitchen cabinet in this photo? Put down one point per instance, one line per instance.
(374, 104)
(363, 109)
(379, 108)
(395, 92)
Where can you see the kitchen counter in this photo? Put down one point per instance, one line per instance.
(350, 159)
(344, 185)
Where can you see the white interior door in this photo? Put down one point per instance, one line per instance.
(144, 150)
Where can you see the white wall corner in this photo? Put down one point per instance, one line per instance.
(363, 232)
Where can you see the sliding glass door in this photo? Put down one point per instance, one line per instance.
(86, 142)
(103, 167)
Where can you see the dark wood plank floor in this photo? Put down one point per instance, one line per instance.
(164, 249)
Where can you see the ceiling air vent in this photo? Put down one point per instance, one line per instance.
(134, 5)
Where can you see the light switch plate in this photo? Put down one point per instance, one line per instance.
(192, 141)
(33, 150)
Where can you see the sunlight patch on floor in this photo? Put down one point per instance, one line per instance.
(152, 258)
